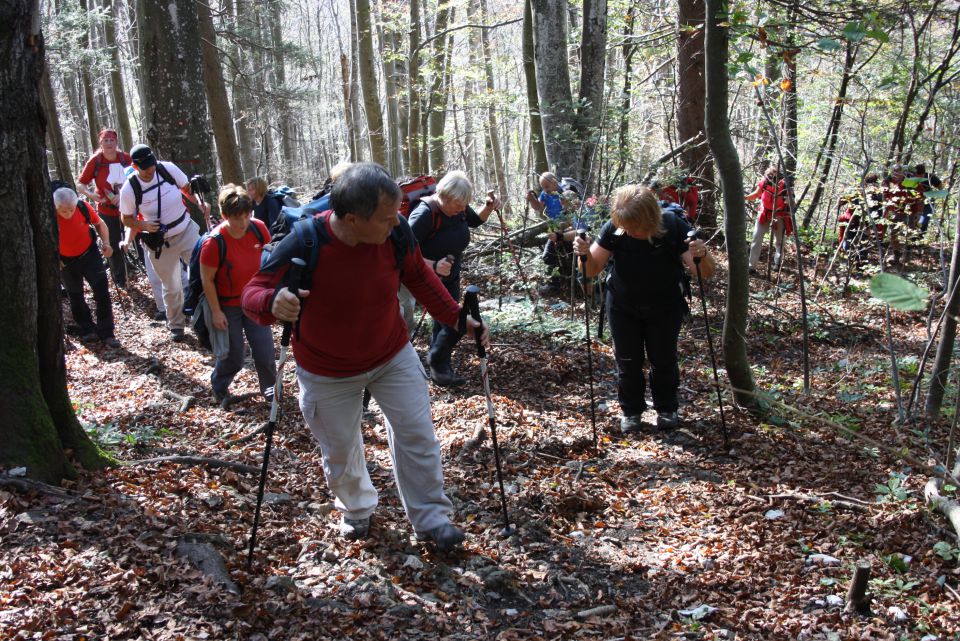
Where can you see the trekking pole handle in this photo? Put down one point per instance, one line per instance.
(694, 234)
(583, 258)
(294, 276)
(471, 300)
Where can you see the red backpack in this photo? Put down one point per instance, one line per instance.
(417, 190)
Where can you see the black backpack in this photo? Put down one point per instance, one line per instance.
(165, 177)
(310, 234)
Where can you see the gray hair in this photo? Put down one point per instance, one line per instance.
(64, 196)
(455, 186)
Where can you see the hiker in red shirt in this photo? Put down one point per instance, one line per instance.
(105, 170)
(685, 194)
(350, 336)
(224, 278)
(773, 211)
(80, 260)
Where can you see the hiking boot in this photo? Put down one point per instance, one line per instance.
(160, 316)
(220, 397)
(177, 335)
(667, 420)
(111, 342)
(752, 271)
(446, 377)
(630, 424)
(90, 337)
(445, 537)
(354, 529)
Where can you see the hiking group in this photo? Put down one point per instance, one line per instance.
(373, 247)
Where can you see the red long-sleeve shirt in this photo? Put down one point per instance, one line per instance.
(351, 322)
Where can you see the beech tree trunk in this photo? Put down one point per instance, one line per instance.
(93, 120)
(243, 109)
(439, 90)
(282, 99)
(537, 143)
(716, 49)
(38, 424)
(368, 83)
(941, 365)
(493, 134)
(58, 145)
(390, 77)
(415, 164)
(176, 105)
(691, 96)
(553, 85)
(221, 115)
(593, 60)
(116, 79)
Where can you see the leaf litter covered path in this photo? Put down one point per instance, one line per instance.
(660, 536)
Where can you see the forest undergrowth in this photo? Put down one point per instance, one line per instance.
(661, 535)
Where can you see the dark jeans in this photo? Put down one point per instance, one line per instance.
(89, 266)
(444, 337)
(118, 262)
(559, 256)
(650, 333)
(261, 344)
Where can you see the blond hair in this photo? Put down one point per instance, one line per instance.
(549, 175)
(234, 201)
(257, 185)
(635, 209)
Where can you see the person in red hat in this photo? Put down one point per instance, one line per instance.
(104, 170)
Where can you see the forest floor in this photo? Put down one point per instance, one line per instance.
(660, 535)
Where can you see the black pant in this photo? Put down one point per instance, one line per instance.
(559, 256)
(651, 333)
(444, 337)
(118, 264)
(89, 266)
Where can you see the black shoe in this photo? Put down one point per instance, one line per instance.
(160, 316)
(630, 424)
(90, 337)
(445, 537)
(111, 342)
(177, 335)
(220, 397)
(752, 271)
(446, 377)
(668, 420)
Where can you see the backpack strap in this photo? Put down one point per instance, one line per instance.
(404, 242)
(85, 210)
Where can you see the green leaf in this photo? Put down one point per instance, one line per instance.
(896, 562)
(944, 550)
(898, 292)
(941, 193)
(878, 35)
(828, 44)
(854, 32)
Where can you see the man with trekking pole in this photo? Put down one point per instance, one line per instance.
(349, 335)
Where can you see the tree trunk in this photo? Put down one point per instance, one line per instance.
(593, 59)
(116, 79)
(716, 49)
(414, 83)
(829, 147)
(439, 90)
(243, 109)
(176, 107)
(553, 85)
(220, 113)
(368, 83)
(941, 365)
(39, 425)
(791, 144)
(58, 145)
(691, 95)
(537, 143)
(279, 85)
(390, 70)
(623, 136)
(493, 134)
(93, 120)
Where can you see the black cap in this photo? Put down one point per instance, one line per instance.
(143, 157)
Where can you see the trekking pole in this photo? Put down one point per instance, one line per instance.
(713, 355)
(471, 301)
(586, 318)
(293, 282)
